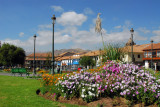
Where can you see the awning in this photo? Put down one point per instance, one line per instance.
(75, 63)
(59, 64)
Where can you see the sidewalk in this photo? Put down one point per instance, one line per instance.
(16, 74)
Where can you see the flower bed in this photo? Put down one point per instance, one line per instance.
(113, 79)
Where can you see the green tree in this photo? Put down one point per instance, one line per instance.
(87, 61)
(11, 55)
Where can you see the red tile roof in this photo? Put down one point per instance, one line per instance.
(136, 48)
(156, 46)
(92, 53)
(40, 54)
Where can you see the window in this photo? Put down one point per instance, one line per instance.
(154, 54)
(139, 56)
(145, 54)
(158, 53)
(149, 54)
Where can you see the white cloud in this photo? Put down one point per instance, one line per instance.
(70, 34)
(128, 23)
(57, 8)
(71, 19)
(118, 27)
(88, 11)
(45, 38)
(45, 26)
(16, 42)
(144, 30)
(156, 38)
(21, 34)
(157, 32)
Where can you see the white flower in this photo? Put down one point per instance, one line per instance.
(94, 85)
(123, 81)
(92, 89)
(158, 80)
(90, 93)
(83, 90)
(97, 85)
(82, 96)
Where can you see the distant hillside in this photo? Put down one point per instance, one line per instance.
(78, 50)
(58, 52)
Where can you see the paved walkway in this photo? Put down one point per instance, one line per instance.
(16, 74)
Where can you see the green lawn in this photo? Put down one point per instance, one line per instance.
(20, 92)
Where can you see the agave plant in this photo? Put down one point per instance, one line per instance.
(113, 52)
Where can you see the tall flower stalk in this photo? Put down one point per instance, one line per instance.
(98, 27)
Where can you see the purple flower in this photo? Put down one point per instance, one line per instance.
(145, 90)
(133, 95)
(121, 93)
(99, 88)
(137, 92)
(111, 90)
(105, 87)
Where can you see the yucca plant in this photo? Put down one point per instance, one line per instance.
(113, 52)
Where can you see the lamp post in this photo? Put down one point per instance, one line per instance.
(54, 19)
(95, 59)
(100, 57)
(34, 69)
(70, 63)
(132, 31)
(151, 54)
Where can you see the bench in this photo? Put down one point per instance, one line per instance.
(20, 71)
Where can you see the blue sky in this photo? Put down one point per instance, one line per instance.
(74, 28)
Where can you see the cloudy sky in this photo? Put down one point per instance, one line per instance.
(75, 22)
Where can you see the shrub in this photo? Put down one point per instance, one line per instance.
(113, 79)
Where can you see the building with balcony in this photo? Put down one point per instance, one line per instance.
(152, 53)
(137, 54)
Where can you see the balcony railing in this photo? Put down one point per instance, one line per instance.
(150, 56)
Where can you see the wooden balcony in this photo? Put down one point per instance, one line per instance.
(148, 55)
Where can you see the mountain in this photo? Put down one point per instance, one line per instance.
(58, 52)
(78, 50)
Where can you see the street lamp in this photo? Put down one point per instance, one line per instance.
(132, 31)
(70, 63)
(100, 57)
(152, 54)
(54, 19)
(34, 69)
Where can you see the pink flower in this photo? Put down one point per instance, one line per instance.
(111, 90)
(145, 90)
(137, 92)
(154, 91)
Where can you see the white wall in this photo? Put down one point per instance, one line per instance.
(127, 57)
(146, 64)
